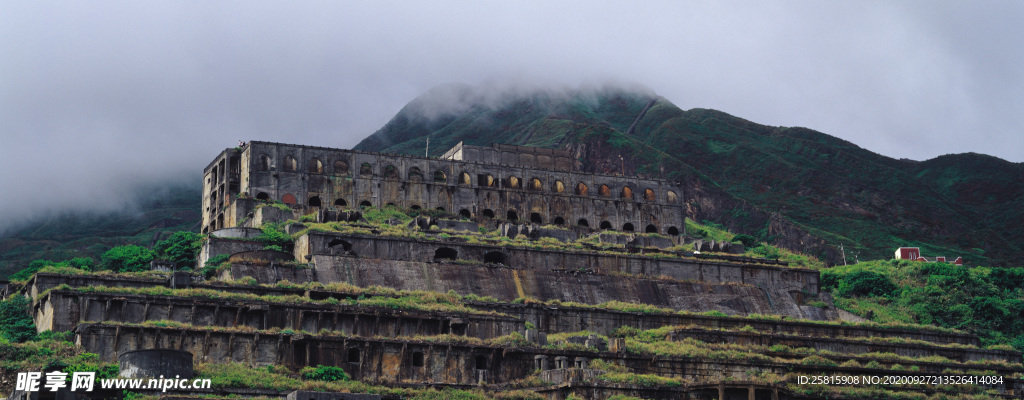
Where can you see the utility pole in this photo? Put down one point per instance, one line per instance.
(844, 253)
(427, 152)
(622, 165)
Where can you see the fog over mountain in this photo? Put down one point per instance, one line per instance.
(99, 99)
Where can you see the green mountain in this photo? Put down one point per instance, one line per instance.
(795, 187)
(156, 214)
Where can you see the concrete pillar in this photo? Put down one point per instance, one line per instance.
(750, 392)
(721, 391)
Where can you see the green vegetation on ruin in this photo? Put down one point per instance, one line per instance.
(450, 301)
(986, 301)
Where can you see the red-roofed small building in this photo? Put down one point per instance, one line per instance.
(914, 253)
(908, 253)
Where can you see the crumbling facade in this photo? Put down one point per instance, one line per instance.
(507, 183)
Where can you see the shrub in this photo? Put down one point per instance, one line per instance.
(818, 361)
(866, 283)
(747, 240)
(130, 258)
(33, 267)
(15, 323)
(212, 263)
(324, 373)
(181, 248)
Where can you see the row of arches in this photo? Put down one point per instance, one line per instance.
(510, 215)
(415, 174)
(446, 254)
(289, 163)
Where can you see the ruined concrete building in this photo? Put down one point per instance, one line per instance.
(503, 182)
(499, 268)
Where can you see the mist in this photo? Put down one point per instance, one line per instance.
(100, 99)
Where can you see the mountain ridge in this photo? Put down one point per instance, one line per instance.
(957, 204)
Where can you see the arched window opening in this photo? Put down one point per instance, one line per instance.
(583, 223)
(445, 254)
(481, 362)
(535, 218)
(289, 198)
(290, 164)
(513, 182)
(559, 221)
(340, 202)
(581, 189)
(488, 213)
(511, 216)
(558, 187)
(366, 170)
(485, 180)
(536, 185)
(626, 193)
(314, 201)
(365, 203)
(464, 213)
(606, 225)
(604, 191)
(649, 195)
(415, 174)
(651, 229)
(340, 167)
(670, 197)
(464, 179)
(262, 196)
(673, 231)
(353, 356)
(391, 173)
(440, 176)
(495, 257)
(441, 209)
(415, 207)
(345, 245)
(263, 163)
(627, 227)
(315, 166)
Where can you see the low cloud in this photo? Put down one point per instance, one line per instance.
(98, 99)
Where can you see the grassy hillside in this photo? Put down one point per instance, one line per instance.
(824, 188)
(158, 213)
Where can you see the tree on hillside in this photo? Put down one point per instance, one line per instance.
(181, 248)
(130, 258)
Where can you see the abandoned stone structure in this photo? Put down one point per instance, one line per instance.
(510, 183)
(606, 298)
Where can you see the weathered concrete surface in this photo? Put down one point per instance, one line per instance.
(390, 360)
(214, 246)
(508, 284)
(546, 317)
(388, 248)
(63, 310)
(573, 319)
(155, 363)
(268, 273)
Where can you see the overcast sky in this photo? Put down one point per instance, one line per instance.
(97, 97)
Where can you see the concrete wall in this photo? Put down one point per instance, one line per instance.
(389, 360)
(214, 246)
(546, 317)
(63, 310)
(387, 248)
(508, 284)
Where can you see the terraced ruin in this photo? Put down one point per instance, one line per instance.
(427, 303)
